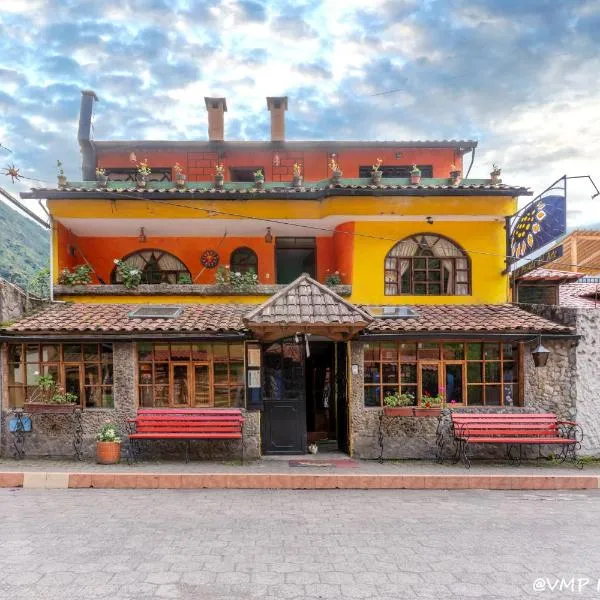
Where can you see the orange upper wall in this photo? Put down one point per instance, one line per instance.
(200, 166)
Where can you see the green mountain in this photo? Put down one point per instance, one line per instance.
(24, 247)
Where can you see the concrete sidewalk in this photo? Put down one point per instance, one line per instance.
(276, 473)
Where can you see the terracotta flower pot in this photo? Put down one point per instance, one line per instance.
(415, 179)
(108, 453)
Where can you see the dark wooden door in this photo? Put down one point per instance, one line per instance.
(284, 399)
(341, 368)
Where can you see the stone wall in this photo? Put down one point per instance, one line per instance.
(14, 302)
(52, 435)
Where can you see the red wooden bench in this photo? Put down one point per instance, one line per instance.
(515, 429)
(185, 424)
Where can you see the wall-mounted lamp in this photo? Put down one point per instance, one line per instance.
(142, 236)
(540, 354)
(269, 236)
(429, 220)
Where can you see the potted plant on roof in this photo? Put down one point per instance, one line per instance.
(259, 179)
(297, 180)
(48, 397)
(179, 176)
(376, 172)
(101, 177)
(108, 445)
(415, 175)
(143, 170)
(219, 176)
(62, 178)
(336, 172)
(455, 175)
(399, 405)
(495, 174)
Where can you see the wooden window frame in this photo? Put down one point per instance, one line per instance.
(516, 383)
(165, 274)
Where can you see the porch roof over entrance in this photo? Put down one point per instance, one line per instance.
(306, 306)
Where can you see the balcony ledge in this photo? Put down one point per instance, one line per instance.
(166, 289)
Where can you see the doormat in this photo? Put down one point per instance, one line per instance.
(344, 463)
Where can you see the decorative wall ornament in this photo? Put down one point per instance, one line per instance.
(209, 259)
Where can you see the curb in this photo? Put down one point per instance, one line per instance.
(55, 480)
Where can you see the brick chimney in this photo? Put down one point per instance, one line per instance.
(216, 107)
(277, 106)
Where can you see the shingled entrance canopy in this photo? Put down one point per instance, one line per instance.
(306, 306)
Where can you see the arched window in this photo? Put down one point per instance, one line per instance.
(157, 266)
(427, 265)
(243, 260)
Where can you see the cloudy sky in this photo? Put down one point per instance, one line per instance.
(520, 76)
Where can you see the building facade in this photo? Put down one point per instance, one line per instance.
(283, 278)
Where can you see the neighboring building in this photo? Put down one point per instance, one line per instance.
(581, 253)
(421, 305)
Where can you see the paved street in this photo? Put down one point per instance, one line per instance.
(224, 544)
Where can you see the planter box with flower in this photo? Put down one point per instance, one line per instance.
(130, 275)
(49, 398)
(108, 445)
(235, 281)
(80, 275)
(404, 405)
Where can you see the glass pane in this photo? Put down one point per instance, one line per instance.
(453, 351)
(474, 351)
(407, 351)
(434, 263)
(474, 372)
(33, 373)
(390, 390)
(220, 352)
(180, 351)
(509, 395)
(462, 289)
(372, 373)
(92, 375)
(73, 380)
(106, 351)
(509, 351)
(16, 373)
(389, 352)
(144, 351)
(16, 397)
(491, 351)
(145, 371)
(90, 353)
(220, 373)
(372, 396)
(474, 395)
(180, 385)
(237, 397)
(51, 370)
(420, 276)
(419, 263)
(429, 350)
(93, 397)
(51, 353)
(492, 372)
(161, 352)
(108, 399)
(429, 380)
(201, 386)
(161, 395)
(161, 373)
(107, 374)
(236, 372)
(508, 372)
(454, 384)
(492, 395)
(221, 397)
(33, 352)
(435, 289)
(72, 352)
(408, 373)
(371, 352)
(15, 352)
(421, 289)
(236, 352)
(201, 352)
(390, 373)
(146, 396)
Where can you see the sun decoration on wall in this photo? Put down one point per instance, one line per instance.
(209, 259)
(12, 172)
(527, 227)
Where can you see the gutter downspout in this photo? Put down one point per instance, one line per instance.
(88, 151)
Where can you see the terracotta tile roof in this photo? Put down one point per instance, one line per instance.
(64, 318)
(468, 318)
(114, 318)
(542, 274)
(580, 295)
(306, 301)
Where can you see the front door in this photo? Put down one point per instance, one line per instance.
(284, 399)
